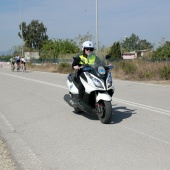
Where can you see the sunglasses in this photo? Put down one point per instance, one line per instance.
(88, 49)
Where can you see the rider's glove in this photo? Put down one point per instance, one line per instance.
(76, 67)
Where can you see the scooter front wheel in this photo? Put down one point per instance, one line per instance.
(105, 112)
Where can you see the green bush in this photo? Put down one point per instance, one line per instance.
(128, 67)
(165, 72)
(146, 75)
(64, 67)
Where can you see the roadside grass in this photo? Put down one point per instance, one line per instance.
(50, 67)
(141, 70)
(125, 69)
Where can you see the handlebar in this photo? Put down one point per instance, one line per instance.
(87, 67)
(110, 67)
(83, 66)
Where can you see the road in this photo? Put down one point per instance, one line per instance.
(43, 132)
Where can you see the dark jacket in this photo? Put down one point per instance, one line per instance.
(76, 61)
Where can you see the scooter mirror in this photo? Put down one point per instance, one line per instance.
(107, 57)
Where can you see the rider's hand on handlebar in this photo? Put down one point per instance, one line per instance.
(86, 65)
(76, 67)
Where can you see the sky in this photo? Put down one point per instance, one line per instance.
(148, 19)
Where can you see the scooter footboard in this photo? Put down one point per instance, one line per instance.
(103, 96)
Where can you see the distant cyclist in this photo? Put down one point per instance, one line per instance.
(23, 64)
(1, 64)
(12, 62)
(17, 59)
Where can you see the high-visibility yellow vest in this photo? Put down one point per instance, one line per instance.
(83, 60)
(90, 60)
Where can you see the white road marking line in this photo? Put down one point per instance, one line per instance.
(146, 107)
(37, 81)
(7, 123)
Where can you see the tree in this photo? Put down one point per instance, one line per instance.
(16, 50)
(52, 48)
(115, 51)
(133, 43)
(163, 51)
(34, 34)
(81, 38)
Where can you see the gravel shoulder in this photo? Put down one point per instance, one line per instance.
(6, 161)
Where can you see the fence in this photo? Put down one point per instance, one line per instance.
(56, 61)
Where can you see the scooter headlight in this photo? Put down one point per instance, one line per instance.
(97, 83)
(101, 70)
(109, 80)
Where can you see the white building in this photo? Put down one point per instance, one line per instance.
(134, 54)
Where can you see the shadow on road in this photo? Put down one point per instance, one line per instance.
(87, 115)
(90, 116)
(120, 113)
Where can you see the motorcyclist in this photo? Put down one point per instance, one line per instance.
(86, 58)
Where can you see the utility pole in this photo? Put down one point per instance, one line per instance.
(121, 47)
(20, 2)
(97, 41)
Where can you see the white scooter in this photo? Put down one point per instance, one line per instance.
(99, 88)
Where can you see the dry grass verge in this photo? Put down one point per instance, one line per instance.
(138, 70)
(142, 70)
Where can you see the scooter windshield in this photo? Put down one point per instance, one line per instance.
(99, 61)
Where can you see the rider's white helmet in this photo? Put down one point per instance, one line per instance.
(87, 44)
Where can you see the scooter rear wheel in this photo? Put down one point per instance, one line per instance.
(105, 116)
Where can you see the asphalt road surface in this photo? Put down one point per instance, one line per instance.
(43, 132)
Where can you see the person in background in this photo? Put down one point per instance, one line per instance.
(23, 63)
(17, 58)
(12, 62)
(1, 64)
